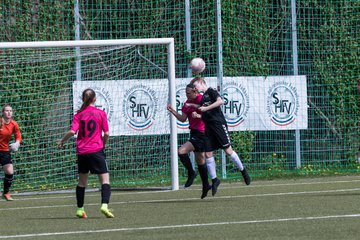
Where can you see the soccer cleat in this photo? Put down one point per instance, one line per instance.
(215, 185)
(190, 179)
(205, 191)
(80, 213)
(246, 176)
(104, 209)
(7, 197)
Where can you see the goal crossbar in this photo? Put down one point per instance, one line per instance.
(87, 43)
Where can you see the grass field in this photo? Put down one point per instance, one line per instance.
(316, 208)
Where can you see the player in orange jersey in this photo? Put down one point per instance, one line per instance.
(8, 127)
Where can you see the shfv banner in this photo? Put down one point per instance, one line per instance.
(138, 107)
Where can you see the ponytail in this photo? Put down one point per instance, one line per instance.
(88, 97)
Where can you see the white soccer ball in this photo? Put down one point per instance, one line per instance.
(197, 65)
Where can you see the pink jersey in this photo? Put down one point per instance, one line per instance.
(194, 123)
(89, 125)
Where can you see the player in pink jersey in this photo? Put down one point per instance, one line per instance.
(197, 142)
(89, 123)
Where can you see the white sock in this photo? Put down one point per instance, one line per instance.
(236, 160)
(359, 159)
(211, 166)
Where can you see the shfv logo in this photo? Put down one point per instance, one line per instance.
(140, 107)
(236, 103)
(282, 103)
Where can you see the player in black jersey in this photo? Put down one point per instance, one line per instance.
(216, 129)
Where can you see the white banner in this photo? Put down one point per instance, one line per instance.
(265, 103)
(134, 107)
(258, 103)
(138, 107)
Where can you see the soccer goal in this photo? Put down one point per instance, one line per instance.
(134, 80)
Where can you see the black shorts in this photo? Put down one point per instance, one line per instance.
(93, 162)
(198, 140)
(5, 158)
(218, 136)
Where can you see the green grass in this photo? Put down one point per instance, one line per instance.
(301, 208)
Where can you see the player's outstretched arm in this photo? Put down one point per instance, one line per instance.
(68, 135)
(181, 117)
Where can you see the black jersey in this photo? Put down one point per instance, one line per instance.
(214, 115)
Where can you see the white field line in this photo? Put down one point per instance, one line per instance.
(223, 186)
(312, 218)
(192, 199)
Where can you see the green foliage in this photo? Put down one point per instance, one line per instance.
(333, 75)
(243, 144)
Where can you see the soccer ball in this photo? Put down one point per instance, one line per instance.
(197, 65)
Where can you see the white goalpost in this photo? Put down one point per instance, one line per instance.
(134, 80)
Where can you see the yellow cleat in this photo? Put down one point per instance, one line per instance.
(80, 213)
(105, 210)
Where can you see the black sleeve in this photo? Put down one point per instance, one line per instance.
(214, 94)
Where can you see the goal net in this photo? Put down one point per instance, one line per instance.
(134, 81)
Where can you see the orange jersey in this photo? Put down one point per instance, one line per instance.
(6, 130)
